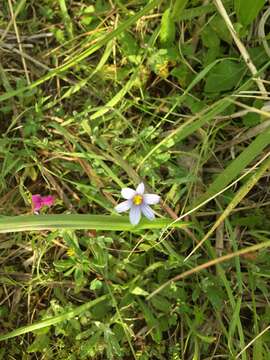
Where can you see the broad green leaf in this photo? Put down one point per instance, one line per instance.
(129, 46)
(183, 74)
(220, 28)
(211, 55)
(258, 56)
(251, 119)
(161, 303)
(167, 29)
(178, 9)
(224, 76)
(191, 13)
(247, 10)
(210, 38)
(40, 344)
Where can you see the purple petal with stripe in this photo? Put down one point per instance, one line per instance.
(123, 206)
(147, 211)
(140, 189)
(135, 214)
(127, 193)
(151, 199)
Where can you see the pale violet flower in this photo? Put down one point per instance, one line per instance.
(137, 202)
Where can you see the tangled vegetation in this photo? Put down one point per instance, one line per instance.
(101, 95)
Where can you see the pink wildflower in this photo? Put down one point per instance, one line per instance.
(39, 201)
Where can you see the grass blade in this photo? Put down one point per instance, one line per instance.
(103, 41)
(54, 320)
(241, 193)
(237, 165)
(67, 221)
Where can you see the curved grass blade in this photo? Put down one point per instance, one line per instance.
(66, 221)
(206, 265)
(54, 320)
(103, 41)
(115, 100)
(237, 166)
(241, 193)
(190, 126)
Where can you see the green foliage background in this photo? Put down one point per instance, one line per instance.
(98, 95)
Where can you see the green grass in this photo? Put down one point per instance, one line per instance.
(99, 95)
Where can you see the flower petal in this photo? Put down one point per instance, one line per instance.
(128, 193)
(123, 206)
(37, 202)
(151, 199)
(47, 200)
(147, 211)
(135, 214)
(140, 189)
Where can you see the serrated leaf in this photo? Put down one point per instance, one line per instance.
(167, 29)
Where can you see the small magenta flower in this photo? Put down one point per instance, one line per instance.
(39, 201)
(137, 202)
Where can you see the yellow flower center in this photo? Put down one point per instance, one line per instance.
(70, 252)
(137, 199)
